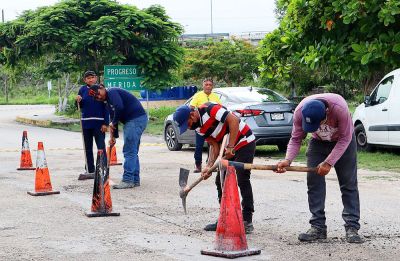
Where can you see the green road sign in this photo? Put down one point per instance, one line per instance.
(125, 83)
(121, 71)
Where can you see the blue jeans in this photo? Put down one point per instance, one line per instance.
(88, 135)
(198, 153)
(133, 131)
(346, 169)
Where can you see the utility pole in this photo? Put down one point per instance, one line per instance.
(2, 15)
(211, 18)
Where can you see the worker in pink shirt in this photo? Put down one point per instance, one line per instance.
(332, 144)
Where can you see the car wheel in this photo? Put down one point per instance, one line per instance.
(171, 139)
(282, 147)
(361, 139)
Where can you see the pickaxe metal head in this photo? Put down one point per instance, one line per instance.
(183, 178)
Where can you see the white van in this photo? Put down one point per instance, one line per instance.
(377, 120)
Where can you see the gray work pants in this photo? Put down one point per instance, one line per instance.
(346, 169)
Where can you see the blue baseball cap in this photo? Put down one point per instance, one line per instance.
(313, 112)
(181, 117)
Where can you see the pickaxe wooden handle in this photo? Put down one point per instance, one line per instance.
(240, 165)
(183, 193)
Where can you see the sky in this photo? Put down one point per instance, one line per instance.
(229, 16)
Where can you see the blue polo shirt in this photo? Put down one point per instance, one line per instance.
(93, 113)
(123, 106)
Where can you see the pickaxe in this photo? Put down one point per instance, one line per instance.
(184, 174)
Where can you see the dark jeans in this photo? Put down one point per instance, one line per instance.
(198, 153)
(88, 135)
(245, 155)
(346, 169)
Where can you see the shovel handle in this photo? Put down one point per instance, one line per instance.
(240, 165)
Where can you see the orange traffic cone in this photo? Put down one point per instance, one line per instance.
(101, 201)
(26, 160)
(113, 156)
(230, 239)
(42, 178)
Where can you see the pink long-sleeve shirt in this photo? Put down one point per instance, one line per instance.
(338, 127)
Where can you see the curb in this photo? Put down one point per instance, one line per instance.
(44, 123)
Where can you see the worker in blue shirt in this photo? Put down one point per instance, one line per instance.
(127, 109)
(95, 119)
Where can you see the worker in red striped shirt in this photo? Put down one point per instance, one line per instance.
(213, 121)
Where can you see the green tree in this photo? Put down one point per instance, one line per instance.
(343, 43)
(231, 61)
(75, 35)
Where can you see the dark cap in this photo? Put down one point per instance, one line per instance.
(181, 117)
(313, 112)
(89, 73)
(94, 89)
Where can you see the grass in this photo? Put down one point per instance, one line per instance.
(39, 99)
(156, 120)
(383, 159)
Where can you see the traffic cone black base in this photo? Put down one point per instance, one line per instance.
(85, 176)
(99, 214)
(101, 200)
(26, 168)
(231, 254)
(33, 193)
(115, 164)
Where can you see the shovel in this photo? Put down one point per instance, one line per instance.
(184, 174)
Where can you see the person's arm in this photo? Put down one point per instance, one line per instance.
(294, 143)
(212, 157)
(345, 132)
(233, 125)
(79, 99)
(106, 116)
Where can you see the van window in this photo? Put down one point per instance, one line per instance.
(381, 92)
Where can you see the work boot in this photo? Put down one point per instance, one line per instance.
(197, 168)
(124, 185)
(314, 233)
(248, 227)
(211, 227)
(352, 236)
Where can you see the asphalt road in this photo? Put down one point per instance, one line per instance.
(152, 225)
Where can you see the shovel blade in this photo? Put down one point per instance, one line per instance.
(183, 177)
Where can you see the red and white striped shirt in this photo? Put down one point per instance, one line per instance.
(213, 125)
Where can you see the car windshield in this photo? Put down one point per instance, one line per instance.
(255, 95)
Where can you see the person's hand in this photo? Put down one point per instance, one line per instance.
(281, 166)
(103, 128)
(112, 142)
(205, 174)
(229, 153)
(78, 98)
(323, 168)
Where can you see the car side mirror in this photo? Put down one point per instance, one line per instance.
(381, 100)
(366, 100)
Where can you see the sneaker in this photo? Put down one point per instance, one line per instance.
(314, 233)
(197, 168)
(124, 185)
(136, 184)
(248, 227)
(211, 227)
(352, 236)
